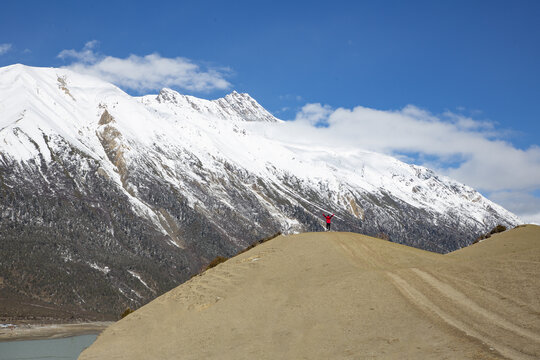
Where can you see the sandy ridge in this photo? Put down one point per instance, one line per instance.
(363, 254)
(346, 296)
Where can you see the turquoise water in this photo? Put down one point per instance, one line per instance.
(50, 349)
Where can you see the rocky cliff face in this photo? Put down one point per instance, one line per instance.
(109, 200)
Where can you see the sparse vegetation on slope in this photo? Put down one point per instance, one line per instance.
(126, 313)
(217, 260)
(220, 259)
(260, 242)
(497, 229)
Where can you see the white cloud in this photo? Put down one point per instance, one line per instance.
(149, 72)
(531, 218)
(468, 150)
(86, 55)
(4, 48)
(314, 114)
(525, 204)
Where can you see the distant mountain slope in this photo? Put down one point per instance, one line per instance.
(109, 200)
(346, 296)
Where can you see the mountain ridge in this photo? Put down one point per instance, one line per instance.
(93, 178)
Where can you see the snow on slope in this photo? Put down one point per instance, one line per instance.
(39, 104)
(115, 189)
(170, 128)
(248, 146)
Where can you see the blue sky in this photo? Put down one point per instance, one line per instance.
(470, 67)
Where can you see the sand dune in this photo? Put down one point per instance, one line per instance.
(346, 296)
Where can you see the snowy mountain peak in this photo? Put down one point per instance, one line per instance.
(234, 106)
(246, 106)
(168, 95)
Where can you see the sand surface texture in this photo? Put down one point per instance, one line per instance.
(346, 296)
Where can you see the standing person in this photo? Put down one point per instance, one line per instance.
(328, 221)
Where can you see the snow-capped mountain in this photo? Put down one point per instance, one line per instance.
(120, 198)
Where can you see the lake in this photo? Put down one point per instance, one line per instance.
(49, 349)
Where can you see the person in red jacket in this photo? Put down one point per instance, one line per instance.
(328, 221)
